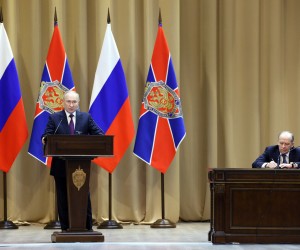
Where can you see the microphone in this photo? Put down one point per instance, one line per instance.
(57, 127)
(45, 137)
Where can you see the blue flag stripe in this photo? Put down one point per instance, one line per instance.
(171, 77)
(9, 94)
(113, 92)
(178, 130)
(150, 77)
(67, 78)
(45, 75)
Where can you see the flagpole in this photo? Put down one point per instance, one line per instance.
(110, 224)
(163, 223)
(6, 224)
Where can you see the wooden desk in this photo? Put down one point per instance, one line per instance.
(254, 205)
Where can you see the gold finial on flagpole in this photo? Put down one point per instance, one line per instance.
(108, 17)
(55, 16)
(1, 15)
(159, 18)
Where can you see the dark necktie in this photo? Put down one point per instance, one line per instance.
(71, 124)
(284, 158)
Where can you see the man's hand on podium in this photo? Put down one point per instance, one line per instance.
(44, 139)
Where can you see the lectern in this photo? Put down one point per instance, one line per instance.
(78, 151)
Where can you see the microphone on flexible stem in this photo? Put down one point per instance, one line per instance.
(45, 138)
(57, 127)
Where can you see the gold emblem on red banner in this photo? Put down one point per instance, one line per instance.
(162, 100)
(51, 96)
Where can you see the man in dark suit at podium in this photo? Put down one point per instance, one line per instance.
(69, 121)
(282, 155)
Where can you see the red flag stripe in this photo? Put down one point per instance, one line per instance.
(10, 144)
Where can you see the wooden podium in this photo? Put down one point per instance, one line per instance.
(254, 205)
(78, 151)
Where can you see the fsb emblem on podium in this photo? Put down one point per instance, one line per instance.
(79, 177)
(78, 151)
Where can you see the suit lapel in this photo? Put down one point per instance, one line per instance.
(291, 156)
(64, 122)
(276, 155)
(77, 124)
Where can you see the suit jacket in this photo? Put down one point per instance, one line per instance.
(58, 124)
(272, 153)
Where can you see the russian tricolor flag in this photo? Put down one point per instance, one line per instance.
(161, 125)
(110, 105)
(13, 126)
(56, 79)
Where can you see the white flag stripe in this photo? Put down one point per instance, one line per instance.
(5, 51)
(108, 59)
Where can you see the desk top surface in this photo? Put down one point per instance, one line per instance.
(253, 175)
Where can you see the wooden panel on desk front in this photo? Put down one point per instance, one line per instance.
(255, 206)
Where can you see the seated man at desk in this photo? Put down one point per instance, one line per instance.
(282, 155)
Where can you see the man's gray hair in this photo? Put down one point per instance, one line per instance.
(71, 91)
(286, 134)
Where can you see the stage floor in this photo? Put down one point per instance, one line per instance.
(186, 236)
